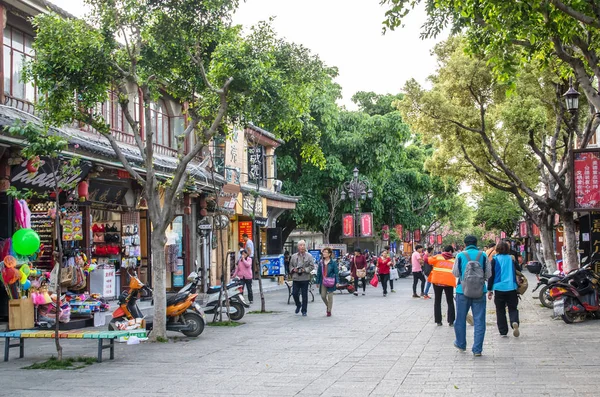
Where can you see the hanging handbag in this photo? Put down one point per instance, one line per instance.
(374, 281)
(522, 283)
(66, 276)
(361, 273)
(328, 282)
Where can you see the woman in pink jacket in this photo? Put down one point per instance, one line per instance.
(243, 271)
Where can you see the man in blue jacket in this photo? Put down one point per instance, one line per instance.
(464, 303)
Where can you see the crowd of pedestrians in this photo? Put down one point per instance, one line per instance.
(466, 277)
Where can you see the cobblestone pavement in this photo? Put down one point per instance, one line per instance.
(371, 346)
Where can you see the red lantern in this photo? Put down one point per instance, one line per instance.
(33, 164)
(82, 190)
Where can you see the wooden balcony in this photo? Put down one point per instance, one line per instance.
(20, 104)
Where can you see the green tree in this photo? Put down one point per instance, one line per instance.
(513, 137)
(187, 48)
(498, 210)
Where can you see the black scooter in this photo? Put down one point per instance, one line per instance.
(404, 269)
(544, 281)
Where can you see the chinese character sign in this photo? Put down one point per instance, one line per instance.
(522, 229)
(398, 230)
(407, 236)
(586, 180)
(348, 225)
(366, 224)
(245, 227)
(431, 239)
(386, 233)
(439, 239)
(417, 235)
(255, 163)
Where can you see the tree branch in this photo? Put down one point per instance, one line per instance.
(123, 159)
(544, 160)
(581, 17)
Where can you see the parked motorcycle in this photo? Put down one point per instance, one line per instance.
(235, 290)
(346, 281)
(183, 313)
(543, 281)
(576, 295)
(404, 269)
(237, 302)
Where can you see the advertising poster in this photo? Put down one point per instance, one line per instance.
(348, 225)
(417, 236)
(272, 265)
(587, 180)
(245, 227)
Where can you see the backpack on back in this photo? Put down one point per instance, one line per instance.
(474, 277)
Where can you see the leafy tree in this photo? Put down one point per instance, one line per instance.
(186, 48)
(498, 210)
(515, 139)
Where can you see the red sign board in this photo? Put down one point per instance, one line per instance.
(417, 235)
(431, 239)
(407, 236)
(348, 225)
(439, 239)
(245, 227)
(586, 173)
(386, 233)
(536, 230)
(522, 229)
(398, 231)
(366, 224)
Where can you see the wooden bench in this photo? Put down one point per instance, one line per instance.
(100, 336)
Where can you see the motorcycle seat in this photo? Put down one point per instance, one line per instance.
(171, 300)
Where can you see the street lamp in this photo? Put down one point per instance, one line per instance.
(356, 190)
(571, 98)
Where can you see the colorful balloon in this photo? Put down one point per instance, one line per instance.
(25, 241)
(10, 261)
(23, 278)
(25, 270)
(26, 286)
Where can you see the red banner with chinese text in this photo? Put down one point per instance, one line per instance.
(439, 239)
(385, 235)
(417, 235)
(431, 239)
(523, 229)
(399, 231)
(586, 164)
(245, 227)
(348, 225)
(366, 224)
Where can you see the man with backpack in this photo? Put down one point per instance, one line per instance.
(473, 270)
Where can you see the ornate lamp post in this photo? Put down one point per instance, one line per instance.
(356, 190)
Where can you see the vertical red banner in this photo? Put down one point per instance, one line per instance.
(407, 236)
(439, 239)
(523, 229)
(366, 224)
(431, 239)
(502, 235)
(417, 235)
(586, 172)
(399, 231)
(536, 230)
(348, 225)
(386, 233)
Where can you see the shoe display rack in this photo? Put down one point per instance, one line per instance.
(43, 225)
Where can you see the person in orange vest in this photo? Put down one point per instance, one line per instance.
(443, 281)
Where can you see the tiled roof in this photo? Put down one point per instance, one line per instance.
(87, 142)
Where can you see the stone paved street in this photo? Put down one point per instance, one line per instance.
(372, 346)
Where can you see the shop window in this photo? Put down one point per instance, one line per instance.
(18, 49)
(219, 154)
(257, 165)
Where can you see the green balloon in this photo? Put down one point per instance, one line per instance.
(25, 242)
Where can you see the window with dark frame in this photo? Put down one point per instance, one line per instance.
(162, 125)
(18, 48)
(219, 154)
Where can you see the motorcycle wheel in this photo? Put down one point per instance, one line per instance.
(197, 321)
(111, 325)
(545, 298)
(240, 310)
(568, 317)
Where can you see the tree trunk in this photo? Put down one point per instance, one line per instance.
(159, 285)
(571, 257)
(58, 262)
(548, 247)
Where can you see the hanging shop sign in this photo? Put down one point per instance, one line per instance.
(366, 224)
(252, 205)
(399, 230)
(272, 265)
(260, 222)
(106, 192)
(536, 230)
(348, 225)
(522, 229)
(431, 239)
(244, 227)
(385, 235)
(407, 236)
(439, 239)
(43, 179)
(586, 177)
(417, 236)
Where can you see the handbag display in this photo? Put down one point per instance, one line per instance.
(66, 276)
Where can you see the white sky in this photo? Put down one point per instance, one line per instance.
(344, 33)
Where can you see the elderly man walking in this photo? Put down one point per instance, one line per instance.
(301, 264)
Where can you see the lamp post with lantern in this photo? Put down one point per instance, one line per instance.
(356, 190)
